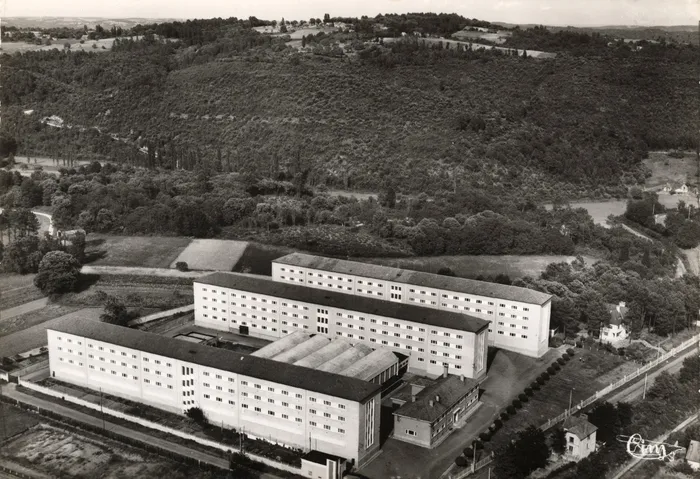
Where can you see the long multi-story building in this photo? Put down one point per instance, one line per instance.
(519, 317)
(435, 341)
(293, 405)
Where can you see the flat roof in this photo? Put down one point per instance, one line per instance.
(417, 278)
(262, 368)
(450, 390)
(349, 302)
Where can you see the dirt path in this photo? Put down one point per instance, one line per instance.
(23, 308)
(126, 270)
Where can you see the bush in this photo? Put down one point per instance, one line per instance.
(535, 386)
(545, 376)
(485, 437)
(505, 416)
(540, 381)
(556, 366)
(468, 451)
(551, 370)
(197, 415)
(530, 390)
(511, 410)
(561, 361)
(523, 397)
(461, 461)
(497, 424)
(478, 445)
(182, 266)
(571, 352)
(517, 403)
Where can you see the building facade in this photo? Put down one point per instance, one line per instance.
(580, 437)
(291, 405)
(432, 412)
(518, 317)
(434, 341)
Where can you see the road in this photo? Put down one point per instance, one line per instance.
(636, 390)
(629, 468)
(23, 308)
(10, 390)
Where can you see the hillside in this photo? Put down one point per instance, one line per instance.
(407, 113)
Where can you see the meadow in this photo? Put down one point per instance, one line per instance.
(211, 254)
(144, 251)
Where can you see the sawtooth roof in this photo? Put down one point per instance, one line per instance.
(417, 278)
(262, 368)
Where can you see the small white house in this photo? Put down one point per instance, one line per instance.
(580, 437)
(683, 189)
(692, 457)
(615, 331)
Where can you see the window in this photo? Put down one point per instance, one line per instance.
(410, 432)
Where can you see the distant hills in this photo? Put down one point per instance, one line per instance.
(679, 33)
(76, 22)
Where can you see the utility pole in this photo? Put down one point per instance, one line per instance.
(644, 395)
(2, 414)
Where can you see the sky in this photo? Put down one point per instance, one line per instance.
(546, 12)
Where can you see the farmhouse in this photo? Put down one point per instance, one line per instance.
(580, 437)
(518, 317)
(293, 405)
(433, 341)
(615, 331)
(432, 411)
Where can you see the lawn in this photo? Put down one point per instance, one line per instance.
(212, 254)
(16, 289)
(257, 258)
(15, 420)
(580, 378)
(471, 266)
(144, 251)
(666, 169)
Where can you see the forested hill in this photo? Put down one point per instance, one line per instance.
(422, 118)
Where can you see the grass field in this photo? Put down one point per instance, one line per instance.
(60, 453)
(15, 420)
(666, 169)
(211, 254)
(33, 318)
(16, 289)
(145, 251)
(471, 266)
(14, 47)
(257, 258)
(580, 378)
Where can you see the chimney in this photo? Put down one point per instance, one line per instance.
(413, 398)
(444, 372)
(437, 398)
(461, 377)
(431, 403)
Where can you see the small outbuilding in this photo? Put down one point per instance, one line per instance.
(692, 457)
(580, 437)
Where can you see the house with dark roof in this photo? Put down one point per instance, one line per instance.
(580, 437)
(615, 331)
(434, 408)
(518, 317)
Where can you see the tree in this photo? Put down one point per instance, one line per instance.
(283, 26)
(522, 456)
(59, 272)
(8, 145)
(690, 371)
(22, 255)
(326, 18)
(446, 271)
(197, 415)
(558, 440)
(114, 312)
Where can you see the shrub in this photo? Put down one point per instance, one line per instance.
(551, 370)
(468, 451)
(182, 266)
(485, 436)
(517, 403)
(197, 415)
(571, 352)
(511, 410)
(545, 376)
(523, 397)
(505, 416)
(566, 357)
(561, 361)
(556, 366)
(530, 390)
(498, 424)
(478, 444)
(541, 380)
(461, 461)
(535, 386)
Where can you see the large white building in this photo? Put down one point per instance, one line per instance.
(293, 405)
(519, 317)
(435, 341)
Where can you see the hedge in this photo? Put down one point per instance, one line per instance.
(505, 416)
(517, 403)
(523, 397)
(529, 391)
(561, 361)
(461, 461)
(511, 410)
(485, 436)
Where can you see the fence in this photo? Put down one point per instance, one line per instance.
(153, 425)
(475, 467)
(613, 386)
(161, 315)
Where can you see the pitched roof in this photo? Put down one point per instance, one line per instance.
(579, 426)
(450, 390)
(262, 368)
(332, 299)
(617, 313)
(417, 278)
(693, 453)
